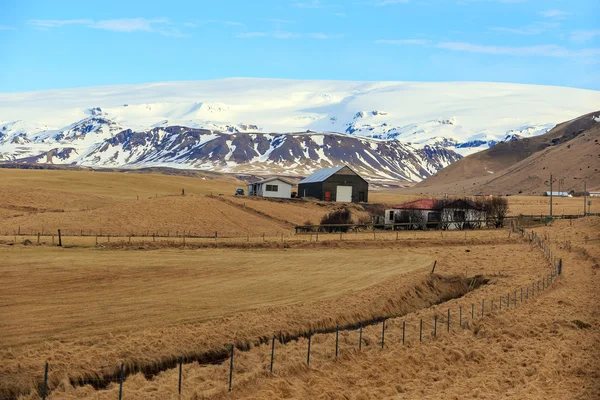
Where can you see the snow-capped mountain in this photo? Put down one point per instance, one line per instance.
(176, 123)
(241, 152)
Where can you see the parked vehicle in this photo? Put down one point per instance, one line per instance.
(239, 192)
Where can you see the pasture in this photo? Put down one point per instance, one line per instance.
(144, 301)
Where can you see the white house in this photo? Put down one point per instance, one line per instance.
(271, 187)
(436, 214)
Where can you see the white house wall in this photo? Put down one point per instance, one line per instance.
(284, 190)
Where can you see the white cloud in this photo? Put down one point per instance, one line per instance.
(288, 35)
(403, 41)
(161, 26)
(324, 36)
(549, 50)
(310, 4)
(381, 3)
(554, 14)
(57, 23)
(128, 24)
(280, 21)
(584, 36)
(252, 34)
(532, 29)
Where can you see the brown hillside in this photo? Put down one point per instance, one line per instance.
(571, 151)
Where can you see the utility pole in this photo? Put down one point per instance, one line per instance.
(550, 195)
(584, 197)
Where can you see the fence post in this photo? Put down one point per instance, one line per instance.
(435, 325)
(337, 334)
(472, 311)
(483, 307)
(38, 240)
(382, 333)
(231, 368)
(560, 266)
(403, 330)
(360, 337)
(515, 298)
(59, 239)
(121, 382)
(308, 353)
(499, 309)
(45, 387)
(180, 371)
(448, 320)
(460, 316)
(421, 331)
(272, 353)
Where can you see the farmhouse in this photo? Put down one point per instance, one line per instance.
(340, 184)
(436, 214)
(558, 194)
(271, 187)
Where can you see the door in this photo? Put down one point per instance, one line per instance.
(344, 194)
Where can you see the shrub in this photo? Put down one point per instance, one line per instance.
(337, 217)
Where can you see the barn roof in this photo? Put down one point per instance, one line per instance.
(321, 174)
(425, 204)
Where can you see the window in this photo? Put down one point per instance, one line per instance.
(459, 215)
(392, 216)
(272, 188)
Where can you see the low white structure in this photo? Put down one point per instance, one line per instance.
(271, 187)
(594, 194)
(436, 214)
(558, 194)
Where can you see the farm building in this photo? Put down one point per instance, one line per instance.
(340, 184)
(594, 194)
(436, 214)
(558, 194)
(271, 187)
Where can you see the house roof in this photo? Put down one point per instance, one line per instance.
(274, 178)
(321, 174)
(424, 204)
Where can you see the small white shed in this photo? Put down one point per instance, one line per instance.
(271, 187)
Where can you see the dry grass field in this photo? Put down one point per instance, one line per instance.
(85, 308)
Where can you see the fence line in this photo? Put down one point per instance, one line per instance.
(427, 329)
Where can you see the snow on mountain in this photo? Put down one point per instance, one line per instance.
(422, 121)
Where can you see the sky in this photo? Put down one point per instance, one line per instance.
(73, 43)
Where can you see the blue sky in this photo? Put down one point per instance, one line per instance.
(61, 44)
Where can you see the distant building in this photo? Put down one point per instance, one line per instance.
(271, 187)
(339, 184)
(558, 194)
(436, 214)
(594, 194)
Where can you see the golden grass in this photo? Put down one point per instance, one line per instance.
(45, 288)
(154, 310)
(533, 351)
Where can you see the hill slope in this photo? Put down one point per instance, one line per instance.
(571, 151)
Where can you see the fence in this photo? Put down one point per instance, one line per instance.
(429, 328)
(190, 239)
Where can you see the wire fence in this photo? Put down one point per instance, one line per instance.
(423, 327)
(188, 238)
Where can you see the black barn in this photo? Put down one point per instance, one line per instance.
(335, 184)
